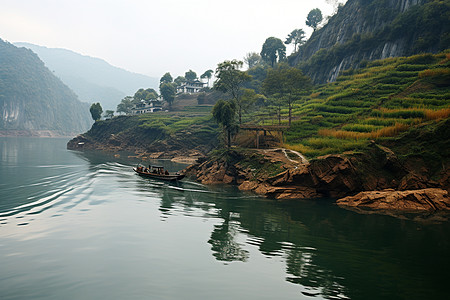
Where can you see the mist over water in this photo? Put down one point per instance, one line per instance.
(77, 225)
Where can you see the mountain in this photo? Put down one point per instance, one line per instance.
(92, 79)
(367, 30)
(33, 101)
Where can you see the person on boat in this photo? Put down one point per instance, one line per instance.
(166, 172)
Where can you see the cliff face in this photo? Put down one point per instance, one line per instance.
(33, 101)
(365, 30)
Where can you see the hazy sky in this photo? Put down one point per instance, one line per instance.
(155, 36)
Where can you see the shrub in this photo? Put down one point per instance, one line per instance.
(434, 72)
(437, 114)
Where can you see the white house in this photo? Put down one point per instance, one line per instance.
(146, 107)
(191, 87)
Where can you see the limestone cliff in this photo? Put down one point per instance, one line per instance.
(365, 30)
(33, 101)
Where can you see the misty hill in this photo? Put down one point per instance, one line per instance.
(366, 30)
(33, 101)
(92, 79)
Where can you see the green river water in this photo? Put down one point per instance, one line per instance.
(77, 225)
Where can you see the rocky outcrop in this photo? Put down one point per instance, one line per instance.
(376, 179)
(163, 149)
(431, 199)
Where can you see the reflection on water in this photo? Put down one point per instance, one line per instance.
(88, 202)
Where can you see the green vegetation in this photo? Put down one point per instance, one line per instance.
(32, 98)
(314, 18)
(96, 111)
(421, 28)
(381, 101)
(187, 130)
(273, 51)
(296, 37)
(224, 113)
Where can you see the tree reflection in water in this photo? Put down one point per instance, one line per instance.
(329, 251)
(223, 241)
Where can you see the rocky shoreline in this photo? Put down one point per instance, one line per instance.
(374, 180)
(158, 150)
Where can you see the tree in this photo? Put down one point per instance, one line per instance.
(252, 59)
(230, 80)
(190, 75)
(167, 78)
(148, 94)
(297, 36)
(168, 91)
(314, 18)
(224, 113)
(247, 100)
(96, 111)
(207, 74)
(179, 80)
(125, 105)
(273, 50)
(109, 114)
(286, 83)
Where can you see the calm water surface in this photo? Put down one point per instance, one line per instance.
(84, 226)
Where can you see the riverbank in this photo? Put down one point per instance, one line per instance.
(376, 179)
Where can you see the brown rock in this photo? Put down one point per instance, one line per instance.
(335, 175)
(412, 200)
(248, 185)
(413, 181)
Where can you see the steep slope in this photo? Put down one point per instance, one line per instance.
(366, 30)
(92, 79)
(33, 100)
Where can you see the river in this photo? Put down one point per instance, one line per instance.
(82, 225)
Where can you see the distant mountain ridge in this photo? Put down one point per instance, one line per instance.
(366, 30)
(33, 100)
(92, 79)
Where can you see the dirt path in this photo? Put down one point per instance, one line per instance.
(284, 152)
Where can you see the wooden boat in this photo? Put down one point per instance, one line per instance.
(157, 172)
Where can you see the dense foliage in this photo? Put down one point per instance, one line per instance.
(96, 111)
(32, 98)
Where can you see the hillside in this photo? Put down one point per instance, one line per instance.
(33, 101)
(379, 135)
(92, 79)
(366, 30)
(187, 134)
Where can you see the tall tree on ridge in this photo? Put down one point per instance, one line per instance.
(314, 18)
(96, 111)
(190, 75)
(207, 74)
(230, 80)
(168, 91)
(273, 50)
(224, 113)
(166, 78)
(252, 59)
(297, 36)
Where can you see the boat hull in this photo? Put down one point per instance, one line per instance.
(174, 177)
